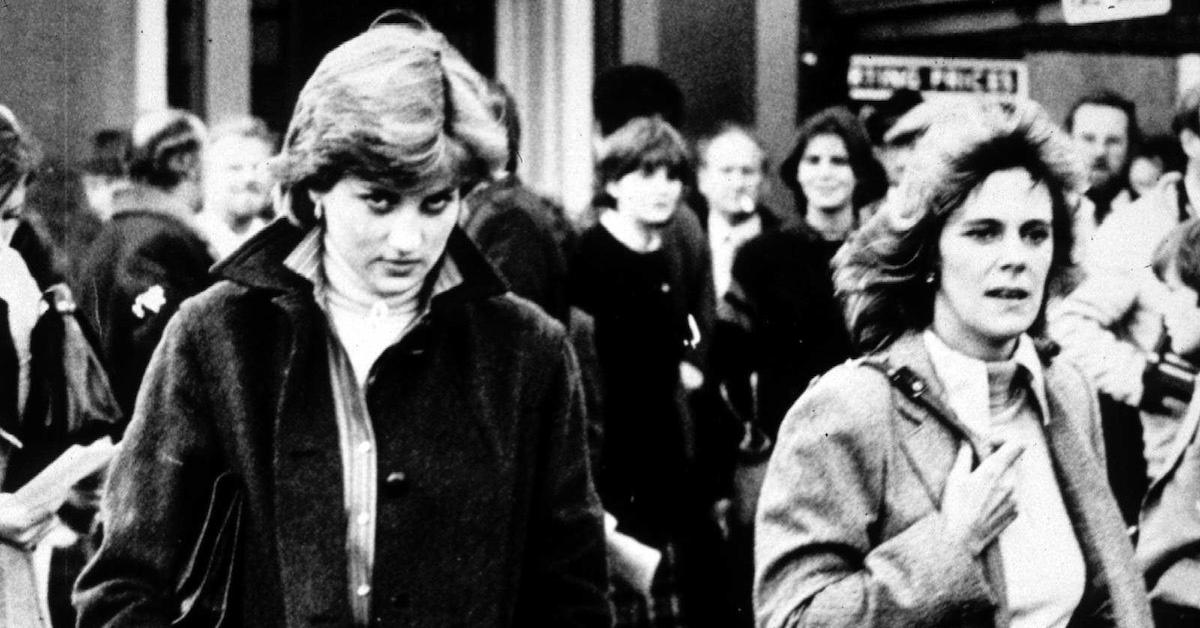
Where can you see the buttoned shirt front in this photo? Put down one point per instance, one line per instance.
(349, 366)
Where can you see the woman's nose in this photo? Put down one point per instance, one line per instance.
(1015, 252)
(404, 232)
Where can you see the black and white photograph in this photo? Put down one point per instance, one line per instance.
(600, 313)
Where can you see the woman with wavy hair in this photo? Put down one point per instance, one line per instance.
(781, 295)
(358, 425)
(953, 475)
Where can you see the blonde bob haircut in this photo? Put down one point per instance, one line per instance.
(887, 274)
(397, 106)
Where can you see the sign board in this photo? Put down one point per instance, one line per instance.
(876, 77)
(1088, 11)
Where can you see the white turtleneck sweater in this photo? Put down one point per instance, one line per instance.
(1044, 571)
(365, 323)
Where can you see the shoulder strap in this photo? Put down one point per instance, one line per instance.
(900, 377)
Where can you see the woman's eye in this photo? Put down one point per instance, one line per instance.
(1037, 235)
(378, 202)
(839, 161)
(982, 234)
(437, 203)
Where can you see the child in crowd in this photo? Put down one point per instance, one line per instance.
(1169, 534)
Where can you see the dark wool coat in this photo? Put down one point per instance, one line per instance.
(527, 238)
(850, 531)
(143, 252)
(782, 296)
(486, 511)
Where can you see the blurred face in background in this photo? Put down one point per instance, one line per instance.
(731, 175)
(1101, 135)
(1181, 314)
(390, 238)
(647, 197)
(12, 203)
(1144, 172)
(99, 189)
(825, 174)
(235, 183)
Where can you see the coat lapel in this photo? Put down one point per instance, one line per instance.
(310, 524)
(931, 435)
(1093, 512)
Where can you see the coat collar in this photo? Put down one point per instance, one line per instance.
(260, 263)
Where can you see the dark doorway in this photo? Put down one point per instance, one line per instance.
(290, 38)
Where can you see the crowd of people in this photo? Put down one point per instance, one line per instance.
(365, 375)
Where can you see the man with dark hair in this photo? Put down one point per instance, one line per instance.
(1104, 127)
(150, 256)
(1112, 323)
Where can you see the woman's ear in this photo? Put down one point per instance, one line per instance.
(318, 203)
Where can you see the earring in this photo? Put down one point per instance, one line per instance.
(931, 277)
(319, 210)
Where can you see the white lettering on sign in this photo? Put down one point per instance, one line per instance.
(1088, 11)
(875, 77)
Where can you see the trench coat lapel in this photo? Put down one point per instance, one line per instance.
(1091, 507)
(930, 436)
(931, 433)
(310, 526)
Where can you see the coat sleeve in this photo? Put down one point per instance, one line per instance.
(818, 561)
(1084, 323)
(566, 579)
(157, 489)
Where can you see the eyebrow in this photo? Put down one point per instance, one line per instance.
(996, 221)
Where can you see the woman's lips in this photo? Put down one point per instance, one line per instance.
(1015, 294)
(399, 267)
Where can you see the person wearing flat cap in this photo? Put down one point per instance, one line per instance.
(358, 425)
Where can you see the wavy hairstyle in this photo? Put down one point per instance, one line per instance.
(880, 273)
(397, 105)
(870, 179)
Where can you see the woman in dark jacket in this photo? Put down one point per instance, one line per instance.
(953, 475)
(782, 295)
(650, 475)
(404, 439)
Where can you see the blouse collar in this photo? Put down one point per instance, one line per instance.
(966, 379)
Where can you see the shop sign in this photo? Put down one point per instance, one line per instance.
(1087, 11)
(876, 77)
